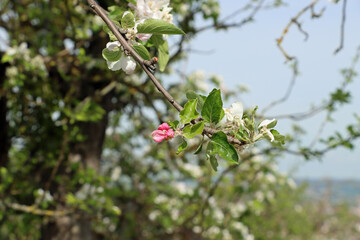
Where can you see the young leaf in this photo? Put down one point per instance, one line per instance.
(277, 136)
(191, 95)
(213, 107)
(212, 158)
(142, 51)
(128, 20)
(157, 26)
(109, 32)
(174, 124)
(192, 131)
(198, 150)
(214, 163)
(222, 147)
(182, 147)
(163, 49)
(111, 56)
(189, 112)
(116, 13)
(201, 99)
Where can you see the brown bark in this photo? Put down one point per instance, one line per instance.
(4, 139)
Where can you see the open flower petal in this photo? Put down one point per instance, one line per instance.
(237, 109)
(128, 64)
(266, 122)
(111, 45)
(114, 66)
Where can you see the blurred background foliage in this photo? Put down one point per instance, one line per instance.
(77, 160)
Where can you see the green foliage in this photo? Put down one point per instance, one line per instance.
(190, 131)
(111, 56)
(189, 112)
(220, 145)
(142, 51)
(182, 146)
(157, 26)
(212, 108)
(163, 50)
(128, 20)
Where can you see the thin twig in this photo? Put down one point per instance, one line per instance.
(295, 21)
(223, 25)
(288, 91)
(342, 28)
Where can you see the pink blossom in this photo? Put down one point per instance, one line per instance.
(163, 133)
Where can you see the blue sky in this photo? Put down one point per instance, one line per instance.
(249, 56)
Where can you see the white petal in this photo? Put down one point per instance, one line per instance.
(111, 45)
(237, 109)
(228, 114)
(128, 64)
(114, 66)
(266, 122)
(267, 132)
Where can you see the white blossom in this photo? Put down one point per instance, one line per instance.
(115, 174)
(161, 198)
(151, 9)
(234, 114)
(182, 188)
(264, 128)
(126, 63)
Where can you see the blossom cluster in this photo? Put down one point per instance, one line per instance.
(144, 9)
(233, 118)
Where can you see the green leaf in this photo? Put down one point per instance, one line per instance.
(174, 124)
(272, 124)
(182, 147)
(213, 107)
(222, 147)
(212, 158)
(163, 49)
(128, 20)
(142, 51)
(198, 150)
(116, 13)
(191, 95)
(201, 99)
(189, 112)
(277, 136)
(111, 56)
(191, 131)
(132, 1)
(214, 163)
(6, 58)
(109, 32)
(157, 26)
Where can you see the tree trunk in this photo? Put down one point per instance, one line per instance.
(4, 139)
(88, 153)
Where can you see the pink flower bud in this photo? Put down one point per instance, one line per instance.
(158, 135)
(163, 132)
(164, 126)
